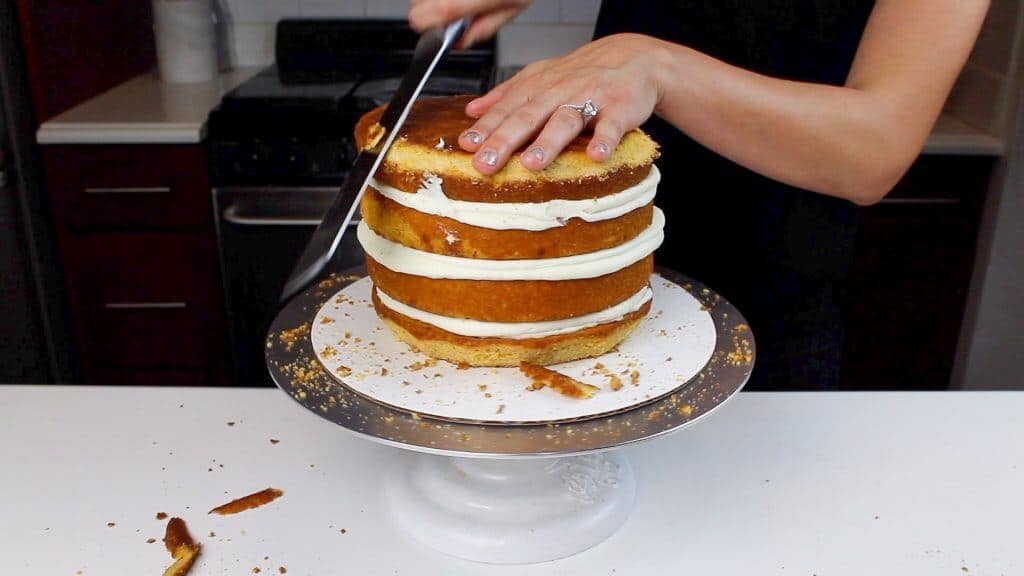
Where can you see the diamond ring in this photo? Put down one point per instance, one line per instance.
(587, 110)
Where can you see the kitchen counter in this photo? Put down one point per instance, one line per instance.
(147, 111)
(143, 110)
(785, 483)
(953, 137)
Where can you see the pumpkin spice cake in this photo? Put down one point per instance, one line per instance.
(540, 267)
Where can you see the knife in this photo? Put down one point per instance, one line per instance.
(430, 48)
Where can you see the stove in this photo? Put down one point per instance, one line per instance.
(281, 143)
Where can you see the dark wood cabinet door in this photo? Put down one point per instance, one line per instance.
(136, 234)
(141, 187)
(911, 272)
(147, 300)
(75, 49)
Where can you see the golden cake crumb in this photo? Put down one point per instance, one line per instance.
(182, 547)
(567, 386)
(374, 135)
(248, 502)
(290, 337)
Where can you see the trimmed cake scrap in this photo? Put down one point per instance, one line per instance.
(565, 385)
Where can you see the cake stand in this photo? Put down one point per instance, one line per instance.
(513, 493)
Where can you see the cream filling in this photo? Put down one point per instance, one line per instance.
(405, 260)
(430, 198)
(520, 330)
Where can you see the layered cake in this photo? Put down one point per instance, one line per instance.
(522, 266)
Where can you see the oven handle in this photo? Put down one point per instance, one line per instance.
(233, 215)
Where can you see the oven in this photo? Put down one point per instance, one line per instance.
(261, 231)
(280, 145)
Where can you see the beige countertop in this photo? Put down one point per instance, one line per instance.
(954, 137)
(143, 110)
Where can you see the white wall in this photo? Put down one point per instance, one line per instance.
(992, 341)
(547, 28)
(996, 346)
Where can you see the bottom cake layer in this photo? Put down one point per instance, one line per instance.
(492, 351)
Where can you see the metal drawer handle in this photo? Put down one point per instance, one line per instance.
(921, 201)
(130, 190)
(144, 305)
(232, 215)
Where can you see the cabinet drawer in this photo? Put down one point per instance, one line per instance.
(129, 187)
(147, 300)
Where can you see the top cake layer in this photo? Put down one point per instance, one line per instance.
(428, 143)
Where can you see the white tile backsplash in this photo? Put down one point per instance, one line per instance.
(547, 28)
(251, 44)
(332, 8)
(520, 44)
(258, 11)
(387, 8)
(541, 11)
(579, 11)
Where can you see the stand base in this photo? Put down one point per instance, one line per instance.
(512, 511)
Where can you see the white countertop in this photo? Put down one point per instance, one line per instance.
(143, 110)
(794, 483)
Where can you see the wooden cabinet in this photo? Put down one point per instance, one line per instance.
(910, 276)
(140, 259)
(146, 187)
(75, 49)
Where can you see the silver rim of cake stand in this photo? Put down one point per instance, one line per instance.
(721, 378)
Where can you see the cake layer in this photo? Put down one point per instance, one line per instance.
(441, 235)
(519, 330)
(430, 198)
(428, 143)
(512, 300)
(410, 261)
(438, 343)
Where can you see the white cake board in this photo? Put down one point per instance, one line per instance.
(669, 347)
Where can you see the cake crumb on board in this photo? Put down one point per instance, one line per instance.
(565, 385)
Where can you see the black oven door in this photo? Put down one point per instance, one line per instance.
(260, 233)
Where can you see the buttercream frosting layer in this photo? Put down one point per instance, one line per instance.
(535, 216)
(520, 330)
(407, 260)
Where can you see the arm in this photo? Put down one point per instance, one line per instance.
(853, 142)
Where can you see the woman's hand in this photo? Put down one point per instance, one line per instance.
(489, 15)
(618, 73)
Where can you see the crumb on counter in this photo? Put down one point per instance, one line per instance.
(248, 502)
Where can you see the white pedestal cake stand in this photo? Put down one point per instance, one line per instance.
(513, 493)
